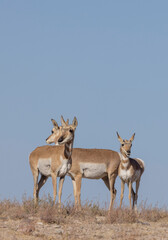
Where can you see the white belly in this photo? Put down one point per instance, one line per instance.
(44, 166)
(93, 170)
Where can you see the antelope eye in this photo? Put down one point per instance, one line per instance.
(71, 130)
(122, 144)
(52, 131)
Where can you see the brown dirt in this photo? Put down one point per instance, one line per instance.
(37, 230)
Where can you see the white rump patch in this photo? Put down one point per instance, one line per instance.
(93, 170)
(141, 161)
(44, 166)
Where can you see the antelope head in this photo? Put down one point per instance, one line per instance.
(70, 127)
(62, 134)
(126, 145)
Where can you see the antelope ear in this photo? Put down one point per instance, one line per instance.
(75, 122)
(63, 122)
(119, 138)
(132, 138)
(55, 123)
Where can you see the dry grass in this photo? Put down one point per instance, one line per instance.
(23, 221)
(53, 214)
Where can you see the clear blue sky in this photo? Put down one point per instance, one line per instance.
(105, 62)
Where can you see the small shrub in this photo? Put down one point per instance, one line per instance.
(50, 215)
(150, 213)
(124, 215)
(28, 205)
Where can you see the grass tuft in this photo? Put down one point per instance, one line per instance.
(90, 211)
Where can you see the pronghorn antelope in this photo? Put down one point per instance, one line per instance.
(130, 170)
(93, 164)
(53, 161)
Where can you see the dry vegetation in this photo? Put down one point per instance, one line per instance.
(24, 221)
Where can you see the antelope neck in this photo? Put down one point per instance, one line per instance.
(68, 149)
(125, 162)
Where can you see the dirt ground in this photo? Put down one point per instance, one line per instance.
(35, 229)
